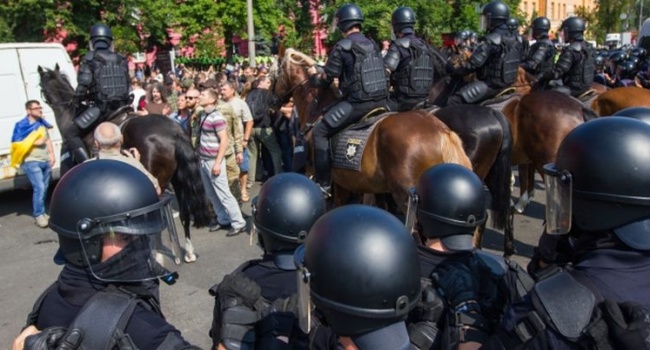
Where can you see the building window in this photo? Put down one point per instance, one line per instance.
(552, 10)
(526, 6)
(563, 10)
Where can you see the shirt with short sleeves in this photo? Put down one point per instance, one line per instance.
(211, 124)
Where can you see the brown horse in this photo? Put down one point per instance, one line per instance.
(399, 149)
(614, 100)
(539, 122)
(166, 152)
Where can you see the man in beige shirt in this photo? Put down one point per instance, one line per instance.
(108, 139)
(234, 153)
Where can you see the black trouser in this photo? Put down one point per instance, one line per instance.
(323, 131)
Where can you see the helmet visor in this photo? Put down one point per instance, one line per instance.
(483, 23)
(305, 305)
(139, 250)
(559, 184)
(334, 26)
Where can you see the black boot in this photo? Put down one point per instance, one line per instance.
(322, 172)
(80, 155)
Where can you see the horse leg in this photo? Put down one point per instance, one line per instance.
(524, 186)
(509, 236)
(190, 255)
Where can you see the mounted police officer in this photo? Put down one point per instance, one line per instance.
(108, 219)
(449, 203)
(102, 85)
(576, 64)
(496, 58)
(359, 269)
(254, 305)
(597, 224)
(357, 62)
(513, 26)
(410, 60)
(541, 55)
(473, 40)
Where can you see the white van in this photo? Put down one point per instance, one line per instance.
(19, 82)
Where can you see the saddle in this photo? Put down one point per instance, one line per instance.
(501, 100)
(347, 146)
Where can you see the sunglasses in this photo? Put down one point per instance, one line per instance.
(191, 97)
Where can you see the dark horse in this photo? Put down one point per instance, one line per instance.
(166, 152)
(487, 140)
(399, 149)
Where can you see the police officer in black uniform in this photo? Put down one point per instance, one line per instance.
(461, 40)
(254, 305)
(513, 26)
(359, 269)
(598, 209)
(357, 62)
(540, 58)
(496, 58)
(108, 219)
(102, 84)
(576, 64)
(473, 39)
(411, 61)
(449, 203)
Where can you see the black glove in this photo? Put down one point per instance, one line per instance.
(628, 323)
(240, 286)
(459, 285)
(52, 338)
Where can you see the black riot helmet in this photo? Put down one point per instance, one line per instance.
(494, 14)
(362, 270)
(639, 52)
(640, 113)
(109, 199)
(473, 36)
(627, 70)
(348, 16)
(101, 36)
(285, 209)
(573, 29)
(615, 59)
(451, 204)
(599, 61)
(512, 24)
(601, 181)
(403, 20)
(541, 26)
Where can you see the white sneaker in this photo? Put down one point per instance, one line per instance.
(42, 221)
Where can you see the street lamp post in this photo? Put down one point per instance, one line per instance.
(251, 34)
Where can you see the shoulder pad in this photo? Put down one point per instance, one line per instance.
(565, 303)
(493, 38)
(90, 55)
(345, 44)
(576, 46)
(493, 262)
(403, 42)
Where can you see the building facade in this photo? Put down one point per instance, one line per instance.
(555, 10)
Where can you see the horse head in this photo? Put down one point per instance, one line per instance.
(57, 92)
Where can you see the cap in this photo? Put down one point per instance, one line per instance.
(635, 235)
(393, 336)
(458, 242)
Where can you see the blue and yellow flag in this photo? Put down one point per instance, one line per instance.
(25, 134)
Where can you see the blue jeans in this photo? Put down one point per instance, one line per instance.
(39, 174)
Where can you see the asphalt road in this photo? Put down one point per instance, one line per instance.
(26, 266)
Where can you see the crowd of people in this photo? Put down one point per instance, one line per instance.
(355, 277)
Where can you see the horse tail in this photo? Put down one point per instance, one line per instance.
(187, 182)
(498, 178)
(452, 150)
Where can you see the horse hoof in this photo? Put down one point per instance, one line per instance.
(190, 258)
(519, 208)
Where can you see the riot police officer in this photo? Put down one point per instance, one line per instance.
(513, 26)
(541, 55)
(461, 40)
(357, 62)
(473, 39)
(359, 269)
(449, 203)
(108, 219)
(598, 207)
(252, 304)
(496, 58)
(410, 60)
(576, 64)
(102, 84)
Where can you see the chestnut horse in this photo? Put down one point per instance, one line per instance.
(539, 122)
(399, 149)
(166, 151)
(614, 100)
